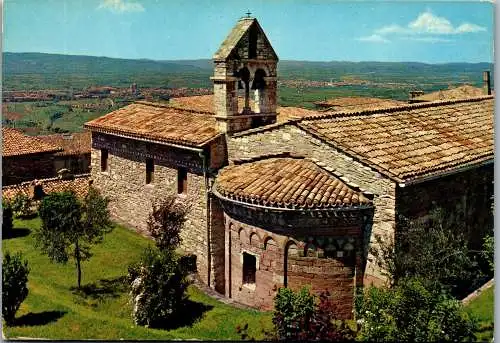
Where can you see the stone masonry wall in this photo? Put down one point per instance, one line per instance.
(466, 197)
(323, 262)
(17, 169)
(289, 138)
(131, 198)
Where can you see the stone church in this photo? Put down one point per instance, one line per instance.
(284, 196)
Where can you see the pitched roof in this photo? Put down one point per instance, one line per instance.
(72, 144)
(286, 183)
(199, 103)
(405, 143)
(289, 113)
(79, 185)
(158, 122)
(204, 104)
(242, 27)
(358, 103)
(16, 143)
(461, 92)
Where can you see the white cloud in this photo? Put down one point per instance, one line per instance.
(121, 6)
(428, 23)
(427, 27)
(430, 39)
(374, 38)
(391, 29)
(466, 27)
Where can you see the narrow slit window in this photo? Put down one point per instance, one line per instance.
(150, 170)
(104, 160)
(249, 268)
(181, 181)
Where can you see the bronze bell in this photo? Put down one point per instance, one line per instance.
(258, 84)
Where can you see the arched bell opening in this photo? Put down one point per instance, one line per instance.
(243, 76)
(259, 88)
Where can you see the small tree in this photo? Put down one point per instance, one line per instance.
(435, 249)
(415, 310)
(69, 227)
(166, 221)
(158, 286)
(7, 220)
(160, 279)
(14, 285)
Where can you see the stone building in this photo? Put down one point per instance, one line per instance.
(284, 196)
(75, 154)
(26, 158)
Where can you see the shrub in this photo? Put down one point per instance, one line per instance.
(292, 312)
(21, 205)
(14, 285)
(433, 248)
(166, 221)
(7, 220)
(158, 286)
(488, 252)
(414, 310)
(324, 326)
(303, 316)
(159, 281)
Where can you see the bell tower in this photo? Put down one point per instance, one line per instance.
(245, 62)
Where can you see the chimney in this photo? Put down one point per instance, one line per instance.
(486, 82)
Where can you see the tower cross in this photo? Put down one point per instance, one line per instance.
(248, 14)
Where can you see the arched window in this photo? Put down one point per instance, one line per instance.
(258, 80)
(244, 83)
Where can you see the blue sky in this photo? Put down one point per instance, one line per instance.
(321, 30)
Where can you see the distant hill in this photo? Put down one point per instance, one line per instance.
(23, 71)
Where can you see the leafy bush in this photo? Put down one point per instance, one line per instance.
(434, 248)
(166, 221)
(292, 312)
(21, 205)
(159, 281)
(158, 286)
(414, 311)
(324, 326)
(488, 252)
(301, 316)
(7, 220)
(14, 285)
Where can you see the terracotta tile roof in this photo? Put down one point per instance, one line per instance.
(462, 92)
(72, 144)
(286, 182)
(204, 103)
(199, 103)
(80, 185)
(15, 143)
(416, 140)
(289, 113)
(158, 122)
(357, 103)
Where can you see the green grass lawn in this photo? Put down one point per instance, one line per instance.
(53, 310)
(483, 309)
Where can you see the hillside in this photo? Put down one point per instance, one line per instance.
(23, 71)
